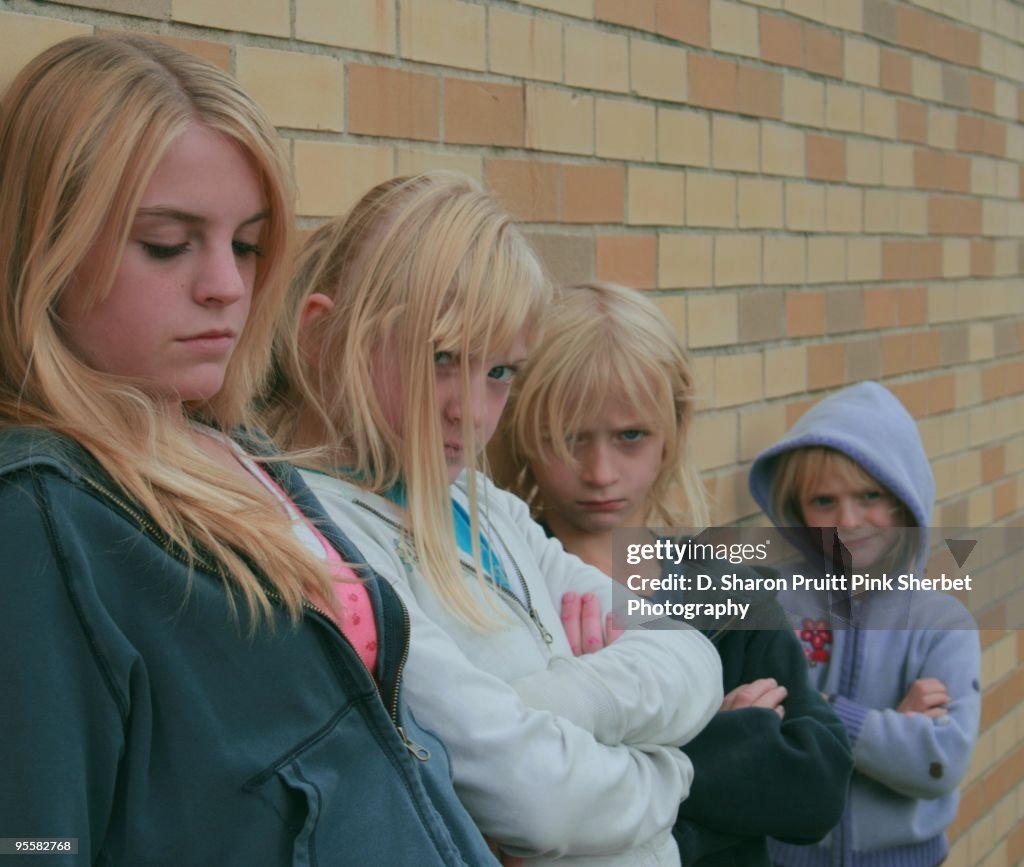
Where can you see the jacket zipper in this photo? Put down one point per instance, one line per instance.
(528, 607)
(416, 750)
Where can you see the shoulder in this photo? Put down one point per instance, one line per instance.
(34, 450)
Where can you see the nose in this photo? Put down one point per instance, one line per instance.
(597, 465)
(847, 513)
(220, 280)
(457, 403)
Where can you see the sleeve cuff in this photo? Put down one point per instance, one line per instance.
(851, 714)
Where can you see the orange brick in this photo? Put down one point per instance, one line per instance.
(628, 259)
(1015, 842)
(639, 14)
(823, 51)
(392, 102)
(941, 394)
(993, 462)
(913, 305)
(951, 42)
(972, 808)
(970, 134)
(912, 121)
(781, 40)
(954, 215)
(826, 365)
(796, 409)
(895, 71)
(758, 91)
(994, 137)
(805, 314)
(913, 395)
(216, 53)
(826, 158)
(956, 173)
(527, 188)
(483, 112)
(569, 259)
(911, 29)
(983, 93)
(983, 258)
(881, 308)
(911, 260)
(712, 82)
(593, 194)
(935, 170)
(688, 21)
(903, 353)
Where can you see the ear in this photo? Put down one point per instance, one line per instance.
(314, 308)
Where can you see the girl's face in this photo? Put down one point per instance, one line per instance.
(182, 290)
(618, 456)
(863, 513)
(490, 380)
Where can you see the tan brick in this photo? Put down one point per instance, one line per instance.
(143, 8)
(805, 207)
(926, 76)
(569, 259)
(879, 115)
(526, 46)
(415, 161)
(639, 14)
(735, 144)
(559, 120)
(626, 130)
(684, 261)
(331, 177)
(711, 320)
(941, 128)
(781, 40)
(897, 165)
(864, 162)
(596, 59)
(823, 51)
(805, 314)
(844, 210)
(684, 20)
(738, 379)
(759, 203)
(758, 91)
(1006, 100)
(446, 32)
(297, 90)
(844, 312)
(658, 71)
(269, 17)
(826, 260)
(483, 112)
(366, 25)
(737, 260)
(684, 137)
(628, 259)
(913, 214)
(843, 108)
(578, 8)
(656, 197)
(710, 200)
(762, 316)
(803, 101)
(813, 9)
(393, 102)
(862, 360)
(22, 37)
(528, 189)
(712, 82)
(760, 427)
(863, 259)
(785, 371)
(217, 53)
(860, 61)
(956, 257)
(782, 150)
(715, 442)
(825, 158)
(785, 259)
(593, 194)
(826, 365)
(881, 212)
(734, 28)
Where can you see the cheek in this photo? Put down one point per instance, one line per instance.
(554, 476)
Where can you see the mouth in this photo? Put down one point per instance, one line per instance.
(601, 505)
(214, 340)
(453, 451)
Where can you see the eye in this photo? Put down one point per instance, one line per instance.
(633, 435)
(504, 373)
(821, 501)
(164, 251)
(444, 359)
(244, 248)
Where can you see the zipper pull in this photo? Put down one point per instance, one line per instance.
(535, 617)
(420, 753)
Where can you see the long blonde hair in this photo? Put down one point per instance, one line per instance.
(420, 265)
(601, 340)
(82, 128)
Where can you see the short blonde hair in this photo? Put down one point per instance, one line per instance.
(600, 340)
(420, 265)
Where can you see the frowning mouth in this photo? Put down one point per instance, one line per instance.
(601, 505)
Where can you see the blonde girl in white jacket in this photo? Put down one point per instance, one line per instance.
(411, 316)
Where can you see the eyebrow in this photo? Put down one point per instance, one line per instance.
(192, 219)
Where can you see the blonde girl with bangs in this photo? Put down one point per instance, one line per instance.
(900, 668)
(182, 666)
(411, 317)
(595, 440)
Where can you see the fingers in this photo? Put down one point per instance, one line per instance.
(611, 631)
(925, 695)
(591, 623)
(571, 611)
(765, 692)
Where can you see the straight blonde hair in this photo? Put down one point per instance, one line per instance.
(82, 128)
(603, 340)
(420, 265)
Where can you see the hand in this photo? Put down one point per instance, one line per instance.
(765, 692)
(504, 859)
(927, 695)
(582, 622)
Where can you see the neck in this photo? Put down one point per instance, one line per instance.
(592, 548)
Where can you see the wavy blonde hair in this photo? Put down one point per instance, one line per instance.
(82, 128)
(420, 265)
(602, 340)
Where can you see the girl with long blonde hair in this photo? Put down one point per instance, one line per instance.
(184, 676)
(411, 317)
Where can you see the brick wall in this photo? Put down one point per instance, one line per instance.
(818, 191)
